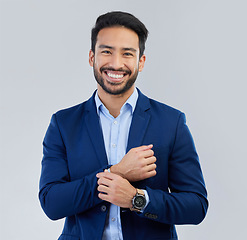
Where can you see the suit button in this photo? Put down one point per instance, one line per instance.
(103, 208)
(147, 215)
(151, 216)
(155, 216)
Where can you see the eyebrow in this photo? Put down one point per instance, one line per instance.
(130, 49)
(110, 47)
(105, 46)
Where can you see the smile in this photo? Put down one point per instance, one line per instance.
(116, 76)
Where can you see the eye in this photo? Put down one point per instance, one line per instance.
(128, 54)
(106, 52)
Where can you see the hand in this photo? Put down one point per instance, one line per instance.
(115, 189)
(137, 164)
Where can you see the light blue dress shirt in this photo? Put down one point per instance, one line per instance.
(116, 132)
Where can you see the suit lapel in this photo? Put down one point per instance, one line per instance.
(139, 123)
(138, 126)
(95, 131)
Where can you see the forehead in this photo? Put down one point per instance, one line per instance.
(118, 37)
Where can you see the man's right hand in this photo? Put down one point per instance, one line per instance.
(137, 164)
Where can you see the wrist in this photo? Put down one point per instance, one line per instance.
(132, 195)
(115, 169)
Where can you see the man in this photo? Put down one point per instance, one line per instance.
(120, 165)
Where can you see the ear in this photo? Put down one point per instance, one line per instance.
(142, 62)
(91, 58)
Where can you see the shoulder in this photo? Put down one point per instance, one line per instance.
(166, 114)
(71, 110)
(158, 108)
(163, 107)
(77, 111)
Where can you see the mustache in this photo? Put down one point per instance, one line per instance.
(115, 70)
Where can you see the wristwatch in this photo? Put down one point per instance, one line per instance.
(138, 201)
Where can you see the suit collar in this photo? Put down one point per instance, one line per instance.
(142, 102)
(131, 101)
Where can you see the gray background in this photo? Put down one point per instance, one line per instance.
(196, 62)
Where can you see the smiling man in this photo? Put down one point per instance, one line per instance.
(120, 165)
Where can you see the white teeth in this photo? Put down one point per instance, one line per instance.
(115, 75)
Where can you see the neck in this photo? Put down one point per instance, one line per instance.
(114, 103)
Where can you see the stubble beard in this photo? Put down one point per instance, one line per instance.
(111, 91)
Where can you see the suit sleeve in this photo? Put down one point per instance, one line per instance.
(186, 201)
(59, 196)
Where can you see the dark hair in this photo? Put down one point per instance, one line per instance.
(118, 18)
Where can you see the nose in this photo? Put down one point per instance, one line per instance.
(117, 61)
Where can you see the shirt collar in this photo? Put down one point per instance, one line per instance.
(131, 101)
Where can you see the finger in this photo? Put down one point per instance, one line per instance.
(101, 174)
(103, 189)
(150, 167)
(103, 196)
(150, 160)
(147, 153)
(151, 173)
(105, 174)
(104, 181)
(144, 147)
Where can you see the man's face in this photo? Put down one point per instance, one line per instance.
(116, 61)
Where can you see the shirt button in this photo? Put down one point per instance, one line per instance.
(103, 208)
(113, 219)
(115, 122)
(114, 145)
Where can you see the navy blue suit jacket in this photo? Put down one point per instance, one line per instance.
(74, 152)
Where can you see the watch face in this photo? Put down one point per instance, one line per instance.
(140, 202)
